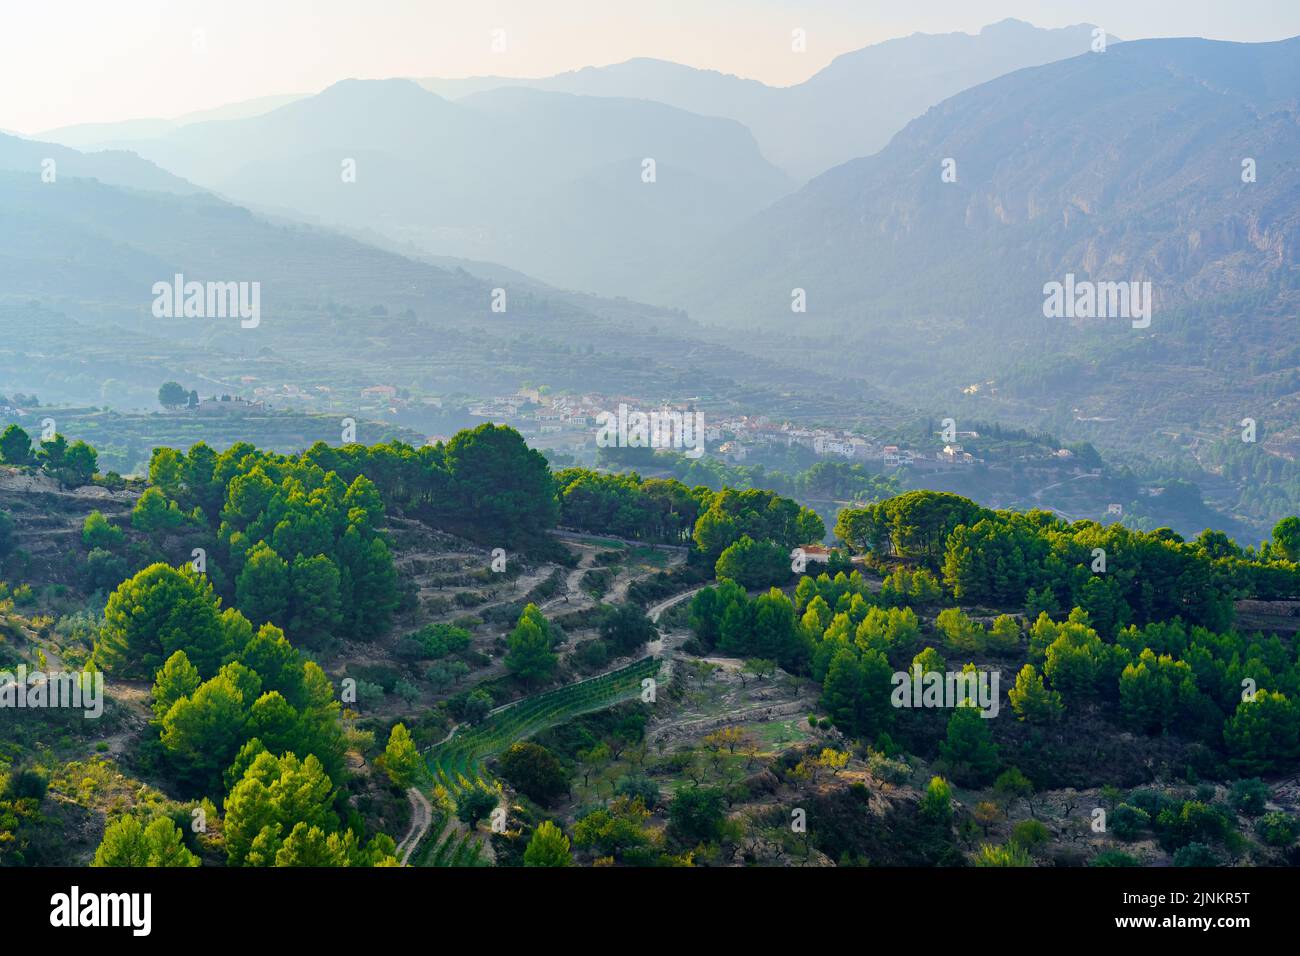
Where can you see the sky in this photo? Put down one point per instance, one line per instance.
(79, 61)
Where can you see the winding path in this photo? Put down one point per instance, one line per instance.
(660, 647)
(655, 610)
(1038, 496)
(421, 818)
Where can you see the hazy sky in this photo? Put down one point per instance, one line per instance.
(77, 61)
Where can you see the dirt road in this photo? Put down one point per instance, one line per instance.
(421, 818)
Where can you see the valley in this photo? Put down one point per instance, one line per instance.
(439, 444)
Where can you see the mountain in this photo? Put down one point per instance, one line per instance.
(101, 135)
(704, 92)
(79, 260)
(1118, 166)
(115, 167)
(849, 109)
(550, 183)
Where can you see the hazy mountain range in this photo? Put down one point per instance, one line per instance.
(96, 135)
(118, 167)
(79, 258)
(549, 183)
(1122, 166)
(548, 176)
(849, 109)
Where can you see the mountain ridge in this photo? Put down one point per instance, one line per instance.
(585, 192)
(1116, 166)
(803, 127)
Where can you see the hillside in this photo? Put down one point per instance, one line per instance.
(46, 161)
(1123, 166)
(79, 259)
(95, 135)
(549, 183)
(649, 724)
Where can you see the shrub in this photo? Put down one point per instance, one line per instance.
(1278, 829)
(1127, 821)
(936, 805)
(886, 770)
(596, 581)
(368, 693)
(1029, 834)
(1195, 822)
(641, 786)
(477, 704)
(473, 805)
(96, 532)
(25, 785)
(381, 674)
(1249, 796)
(697, 813)
(1012, 854)
(1151, 801)
(445, 674)
(535, 772)
(104, 570)
(440, 640)
(592, 655)
(1196, 854)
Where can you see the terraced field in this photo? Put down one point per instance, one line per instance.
(448, 845)
(456, 764)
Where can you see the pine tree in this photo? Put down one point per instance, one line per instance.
(529, 655)
(402, 760)
(548, 847)
(1031, 700)
(969, 746)
(127, 843)
(936, 805)
(178, 678)
(310, 846)
(842, 691)
(263, 589)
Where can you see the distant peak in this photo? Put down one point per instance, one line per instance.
(398, 92)
(1012, 26)
(1007, 25)
(353, 85)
